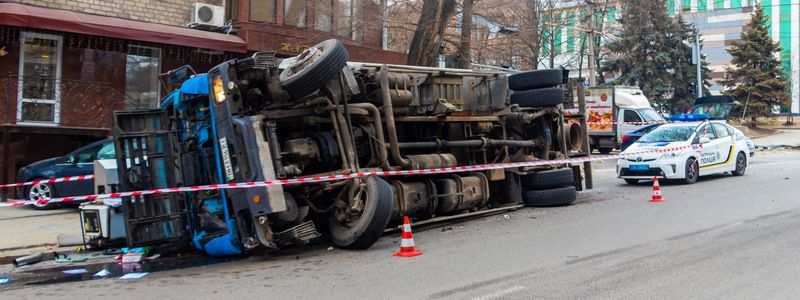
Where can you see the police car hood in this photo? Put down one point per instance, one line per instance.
(643, 149)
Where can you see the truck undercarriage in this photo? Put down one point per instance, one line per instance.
(244, 121)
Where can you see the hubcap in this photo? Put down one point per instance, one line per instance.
(39, 192)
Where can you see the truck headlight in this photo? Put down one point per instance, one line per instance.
(219, 90)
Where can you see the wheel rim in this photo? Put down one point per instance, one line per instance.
(691, 172)
(306, 58)
(39, 191)
(740, 163)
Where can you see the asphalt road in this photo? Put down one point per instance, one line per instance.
(722, 238)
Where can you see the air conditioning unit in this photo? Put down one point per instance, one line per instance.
(206, 15)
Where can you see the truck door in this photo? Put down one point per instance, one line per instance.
(627, 116)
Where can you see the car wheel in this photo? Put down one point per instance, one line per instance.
(692, 171)
(552, 197)
(314, 68)
(605, 150)
(741, 165)
(41, 191)
(631, 181)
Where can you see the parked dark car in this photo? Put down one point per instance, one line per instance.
(76, 163)
(634, 136)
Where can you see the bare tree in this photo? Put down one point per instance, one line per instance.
(426, 44)
(464, 55)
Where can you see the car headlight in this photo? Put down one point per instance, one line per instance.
(219, 90)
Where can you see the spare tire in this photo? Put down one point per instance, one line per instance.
(313, 68)
(552, 197)
(548, 179)
(540, 97)
(535, 79)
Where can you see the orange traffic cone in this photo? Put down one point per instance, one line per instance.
(407, 248)
(656, 191)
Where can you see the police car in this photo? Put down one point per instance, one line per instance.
(716, 149)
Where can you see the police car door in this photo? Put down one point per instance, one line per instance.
(710, 150)
(725, 141)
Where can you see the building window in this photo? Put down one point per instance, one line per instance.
(350, 19)
(262, 11)
(141, 77)
(294, 13)
(323, 9)
(40, 75)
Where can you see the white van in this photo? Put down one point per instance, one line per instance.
(613, 111)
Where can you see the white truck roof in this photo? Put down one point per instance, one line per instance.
(630, 97)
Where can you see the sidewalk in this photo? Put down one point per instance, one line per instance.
(24, 230)
(781, 138)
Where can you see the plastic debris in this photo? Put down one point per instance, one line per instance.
(128, 258)
(102, 273)
(74, 271)
(4, 280)
(134, 275)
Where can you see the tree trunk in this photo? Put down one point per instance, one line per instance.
(425, 45)
(464, 58)
(536, 37)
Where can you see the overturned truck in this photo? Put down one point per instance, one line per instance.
(251, 120)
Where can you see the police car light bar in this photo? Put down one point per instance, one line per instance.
(689, 117)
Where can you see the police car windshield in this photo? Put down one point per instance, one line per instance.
(668, 134)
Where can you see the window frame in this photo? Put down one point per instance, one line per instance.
(305, 15)
(57, 80)
(633, 112)
(274, 12)
(160, 64)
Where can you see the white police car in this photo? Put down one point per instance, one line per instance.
(717, 149)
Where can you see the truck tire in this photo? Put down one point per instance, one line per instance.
(314, 71)
(547, 179)
(369, 227)
(539, 97)
(605, 150)
(552, 197)
(535, 79)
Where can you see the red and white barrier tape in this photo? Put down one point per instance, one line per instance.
(50, 180)
(629, 123)
(240, 185)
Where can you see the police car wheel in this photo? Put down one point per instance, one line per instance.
(741, 165)
(692, 171)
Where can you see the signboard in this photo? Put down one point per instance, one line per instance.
(599, 110)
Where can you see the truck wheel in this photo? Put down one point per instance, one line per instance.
(535, 79)
(313, 68)
(547, 179)
(552, 197)
(539, 97)
(359, 231)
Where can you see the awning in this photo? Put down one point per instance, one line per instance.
(15, 14)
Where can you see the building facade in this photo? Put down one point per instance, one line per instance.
(66, 65)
